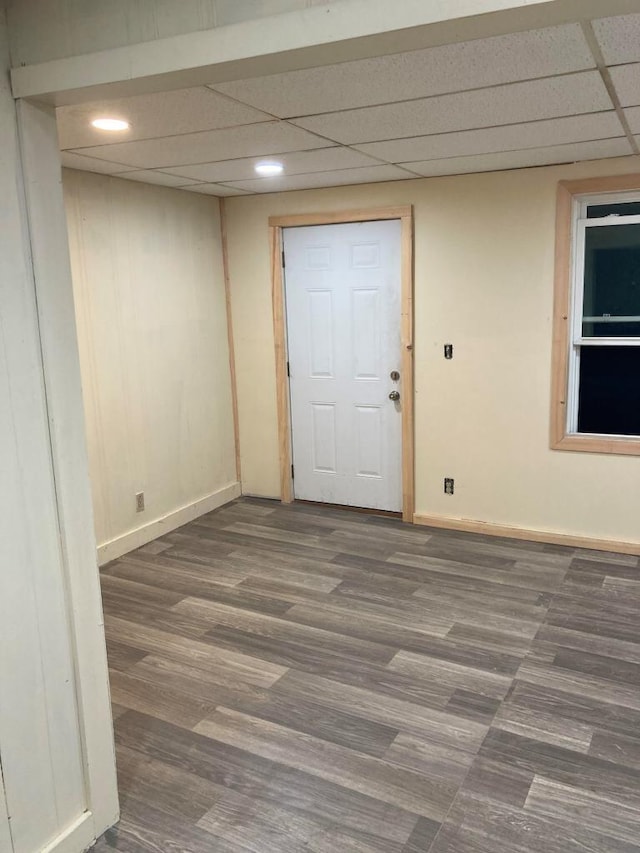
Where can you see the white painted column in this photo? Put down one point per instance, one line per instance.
(56, 746)
(59, 342)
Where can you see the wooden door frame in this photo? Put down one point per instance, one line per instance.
(276, 225)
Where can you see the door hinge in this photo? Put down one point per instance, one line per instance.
(292, 472)
(288, 370)
(283, 263)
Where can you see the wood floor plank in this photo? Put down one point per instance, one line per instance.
(615, 747)
(158, 700)
(542, 579)
(402, 788)
(122, 657)
(315, 718)
(581, 684)
(491, 684)
(262, 827)
(241, 771)
(480, 826)
(408, 613)
(473, 706)
(543, 700)
(171, 790)
(443, 764)
(194, 652)
(610, 781)
(579, 806)
(204, 565)
(155, 547)
(267, 626)
(423, 722)
(146, 829)
(217, 685)
(117, 588)
(193, 585)
(422, 836)
(547, 728)
(499, 782)
(586, 642)
(374, 627)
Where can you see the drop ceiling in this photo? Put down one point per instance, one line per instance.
(555, 95)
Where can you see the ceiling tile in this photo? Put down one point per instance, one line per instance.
(299, 162)
(511, 104)
(214, 189)
(633, 117)
(367, 175)
(535, 134)
(519, 159)
(91, 164)
(258, 139)
(152, 176)
(619, 38)
(626, 79)
(418, 73)
(161, 114)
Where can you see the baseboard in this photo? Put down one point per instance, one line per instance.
(471, 526)
(114, 548)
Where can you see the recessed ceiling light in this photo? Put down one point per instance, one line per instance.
(269, 167)
(110, 124)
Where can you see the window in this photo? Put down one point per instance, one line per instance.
(596, 378)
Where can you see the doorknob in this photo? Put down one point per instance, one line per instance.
(394, 395)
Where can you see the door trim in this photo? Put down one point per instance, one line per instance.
(276, 224)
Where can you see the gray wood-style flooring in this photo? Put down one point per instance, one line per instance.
(300, 678)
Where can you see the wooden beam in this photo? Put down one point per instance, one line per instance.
(282, 382)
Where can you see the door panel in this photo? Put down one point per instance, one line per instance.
(324, 438)
(342, 291)
(320, 322)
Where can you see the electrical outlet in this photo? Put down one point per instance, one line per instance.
(448, 350)
(448, 485)
(140, 502)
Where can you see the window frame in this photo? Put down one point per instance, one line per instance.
(572, 199)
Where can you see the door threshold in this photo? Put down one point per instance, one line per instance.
(365, 510)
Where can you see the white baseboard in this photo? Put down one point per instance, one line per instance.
(469, 525)
(114, 548)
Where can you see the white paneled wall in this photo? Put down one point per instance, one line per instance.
(151, 314)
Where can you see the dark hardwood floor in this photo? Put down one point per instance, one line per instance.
(295, 678)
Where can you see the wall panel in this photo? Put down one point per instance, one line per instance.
(151, 312)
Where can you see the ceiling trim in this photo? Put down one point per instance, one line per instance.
(321, 35)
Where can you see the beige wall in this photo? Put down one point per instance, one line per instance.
(151, 313)
(483, 281)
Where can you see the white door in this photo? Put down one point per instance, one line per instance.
(342, 290)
